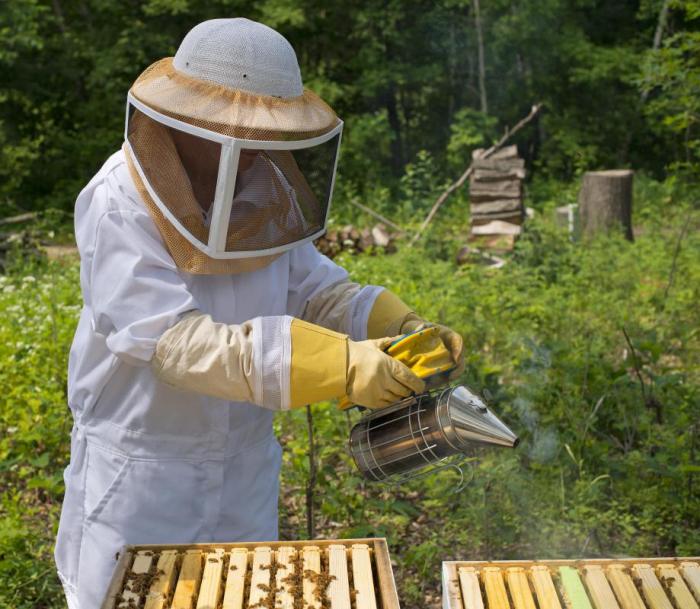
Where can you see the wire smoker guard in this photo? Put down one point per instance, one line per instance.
(421, 434)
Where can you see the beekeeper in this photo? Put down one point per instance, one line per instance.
(207, 307)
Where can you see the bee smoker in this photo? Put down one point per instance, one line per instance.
(431, 430)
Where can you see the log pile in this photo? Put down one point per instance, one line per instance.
(496, 195)
(24, 243)
(354, 240)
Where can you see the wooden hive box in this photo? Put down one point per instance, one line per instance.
(319, 574)
(636, 583)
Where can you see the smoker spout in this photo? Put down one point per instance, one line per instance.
(467, 420)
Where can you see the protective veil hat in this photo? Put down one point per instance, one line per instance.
(235, 161)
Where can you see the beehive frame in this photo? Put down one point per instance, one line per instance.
(357, 575)
(633, 583)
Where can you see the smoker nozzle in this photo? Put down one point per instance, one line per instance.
(466, 420)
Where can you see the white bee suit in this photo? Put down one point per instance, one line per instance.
(151, 463)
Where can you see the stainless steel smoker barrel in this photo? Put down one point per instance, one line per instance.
(424, 430)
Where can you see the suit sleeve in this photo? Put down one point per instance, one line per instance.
(321, 293)
(135, 291)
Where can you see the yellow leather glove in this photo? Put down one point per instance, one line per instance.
(390, 316)
(452, 340)
(326, 365)
(375, 379)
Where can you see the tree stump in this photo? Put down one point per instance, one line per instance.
(605, 202)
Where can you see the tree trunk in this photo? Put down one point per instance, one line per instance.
(396, 144)
(480, 50)
(605, 202)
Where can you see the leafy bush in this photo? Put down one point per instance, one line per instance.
(40, 305)
(608, 463)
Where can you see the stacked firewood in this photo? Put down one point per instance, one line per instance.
(354, 240)
(24, 243)
(496, 194)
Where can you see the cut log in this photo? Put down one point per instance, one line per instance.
(497, 227)
(496, 206)
(20, 218)
(605, 202)
(380, 236)
(507, 152)
(505, 165)
(487, 191)
(491, 174)
(508, 217)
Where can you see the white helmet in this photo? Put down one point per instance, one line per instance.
(233, 158)
(240, 54)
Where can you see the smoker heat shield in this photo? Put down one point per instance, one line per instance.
(424, 430)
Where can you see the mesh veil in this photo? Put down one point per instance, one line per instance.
(186, 256)
(281, 195)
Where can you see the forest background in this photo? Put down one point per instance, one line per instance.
(589, 349)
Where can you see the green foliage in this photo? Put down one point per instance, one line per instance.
(609, 457)
(605, 466)
(470, 129)
(672, 76)
(403, 76)
(418, 187)
(40, 306)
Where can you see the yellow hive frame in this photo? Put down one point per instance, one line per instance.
(610, 583)
(383, 586)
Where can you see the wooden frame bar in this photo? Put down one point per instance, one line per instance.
(235, 579)
(599, 588)
(519, 587)
(544, 587)
(471, 592)
(673, 581)
(164, 584)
